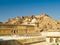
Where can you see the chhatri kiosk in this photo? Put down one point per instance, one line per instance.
(52, 36)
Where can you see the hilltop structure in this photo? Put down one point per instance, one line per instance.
(29, 25)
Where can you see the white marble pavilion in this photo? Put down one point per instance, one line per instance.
(53, 37)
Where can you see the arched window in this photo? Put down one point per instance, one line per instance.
(15, 31)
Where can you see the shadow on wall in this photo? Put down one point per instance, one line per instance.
(10, 42)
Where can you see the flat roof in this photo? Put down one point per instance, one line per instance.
(53, 36)
(16, 25)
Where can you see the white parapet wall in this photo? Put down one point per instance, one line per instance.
(17, 37)
(50, 33)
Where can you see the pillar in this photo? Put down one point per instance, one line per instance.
(54, 40)
(47, 40)
(59, 40)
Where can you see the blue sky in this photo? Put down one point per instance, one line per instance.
(14, 8)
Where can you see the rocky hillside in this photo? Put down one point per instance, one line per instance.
(43, 22)
(48, 23)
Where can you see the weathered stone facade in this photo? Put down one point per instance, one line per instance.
(22, 29)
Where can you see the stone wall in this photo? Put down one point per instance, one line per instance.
(17, 29)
